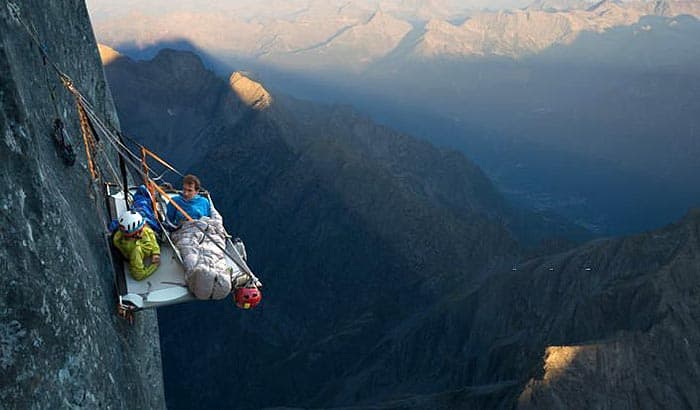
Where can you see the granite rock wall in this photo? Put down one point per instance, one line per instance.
(61, 343)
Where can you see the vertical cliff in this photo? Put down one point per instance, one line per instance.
(61, 344)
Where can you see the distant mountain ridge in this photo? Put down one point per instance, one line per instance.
(353, 38)
(524, 32)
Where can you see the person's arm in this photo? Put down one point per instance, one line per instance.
(150, 237)
(171, 213)
(213, 212)
(117, 241)
(136, 267)
(155, 255)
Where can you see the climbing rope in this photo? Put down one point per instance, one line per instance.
(17, 16)
(89, 140)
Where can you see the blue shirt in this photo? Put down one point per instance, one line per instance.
(196, 207)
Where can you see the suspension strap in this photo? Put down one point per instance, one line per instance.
(148, 181)
(151, 154)
(122, 169)
(170, 200)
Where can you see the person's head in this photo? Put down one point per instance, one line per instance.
(190, 186)
(131, 223)
(247, 297)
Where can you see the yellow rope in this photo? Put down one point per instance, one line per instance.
(88, 140)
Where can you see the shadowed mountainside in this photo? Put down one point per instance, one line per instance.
(367, 260)
(328, 203)
(601, 130)
(613, 324)
(160, 106)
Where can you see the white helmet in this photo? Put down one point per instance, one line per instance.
(131, 222)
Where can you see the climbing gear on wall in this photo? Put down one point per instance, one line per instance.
(63, 142)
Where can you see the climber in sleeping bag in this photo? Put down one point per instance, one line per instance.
(201, 242)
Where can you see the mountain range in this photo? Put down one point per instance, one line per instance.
(355, 35)
(392, 277)
(174, 98)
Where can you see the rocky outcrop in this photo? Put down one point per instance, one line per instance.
(613, 324)
(251, 93)
(631, 338)
(61, 342)
(107, 54)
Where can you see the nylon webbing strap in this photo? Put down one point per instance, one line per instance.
(122, 168)
(170, 200)
(157, 158)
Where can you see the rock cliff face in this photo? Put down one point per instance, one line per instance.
(61, 343)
